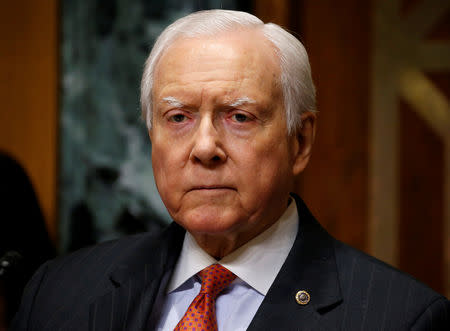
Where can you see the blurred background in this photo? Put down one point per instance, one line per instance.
(77, 160)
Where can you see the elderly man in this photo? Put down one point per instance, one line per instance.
(229, 104)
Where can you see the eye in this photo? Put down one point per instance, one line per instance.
(239, 117)
(177, 118)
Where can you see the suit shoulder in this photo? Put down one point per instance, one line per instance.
(63, 288)
(100, 248)
(101, 256)
(369, 282)
(351, 258)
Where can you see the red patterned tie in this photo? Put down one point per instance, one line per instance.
(201, 314)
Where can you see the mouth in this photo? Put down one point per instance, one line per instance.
(207, 188)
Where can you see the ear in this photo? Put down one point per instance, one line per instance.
(303, 142)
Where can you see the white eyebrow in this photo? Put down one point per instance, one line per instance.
(241, 101)
(235, 103)
(173, 102)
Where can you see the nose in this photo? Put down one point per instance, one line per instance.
(207, 147)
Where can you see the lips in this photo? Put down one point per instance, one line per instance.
(211, 188)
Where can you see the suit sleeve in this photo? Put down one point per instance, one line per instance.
(435, 317)
(22, 320)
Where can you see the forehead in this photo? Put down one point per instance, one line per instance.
(243, 59)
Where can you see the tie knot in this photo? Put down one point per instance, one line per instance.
(215, 279)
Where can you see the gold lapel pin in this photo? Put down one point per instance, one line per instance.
(302, 297)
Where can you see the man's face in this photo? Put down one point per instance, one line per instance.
(222, 159)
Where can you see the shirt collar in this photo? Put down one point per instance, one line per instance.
(257, 262)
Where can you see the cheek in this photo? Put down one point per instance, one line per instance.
(167, 158)
(165, 171)
(263, 167)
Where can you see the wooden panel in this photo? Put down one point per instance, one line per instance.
(273, 11)
(441, 30)
(337, 37)
(28, 92)
(421, 223)
(410, 41)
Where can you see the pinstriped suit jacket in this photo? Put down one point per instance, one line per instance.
(113, 286)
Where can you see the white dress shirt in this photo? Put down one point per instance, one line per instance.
(256, 264)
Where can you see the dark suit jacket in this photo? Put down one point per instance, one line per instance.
(113, 286)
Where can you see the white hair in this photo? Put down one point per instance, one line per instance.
(296, 81)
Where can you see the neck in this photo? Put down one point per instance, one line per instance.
(220, 245)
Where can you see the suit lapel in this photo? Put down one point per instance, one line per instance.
(135, 282)
(310, 266)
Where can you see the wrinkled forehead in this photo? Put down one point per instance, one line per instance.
(227, 66)
(243, 46)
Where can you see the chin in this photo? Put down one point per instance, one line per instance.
(211, 220)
